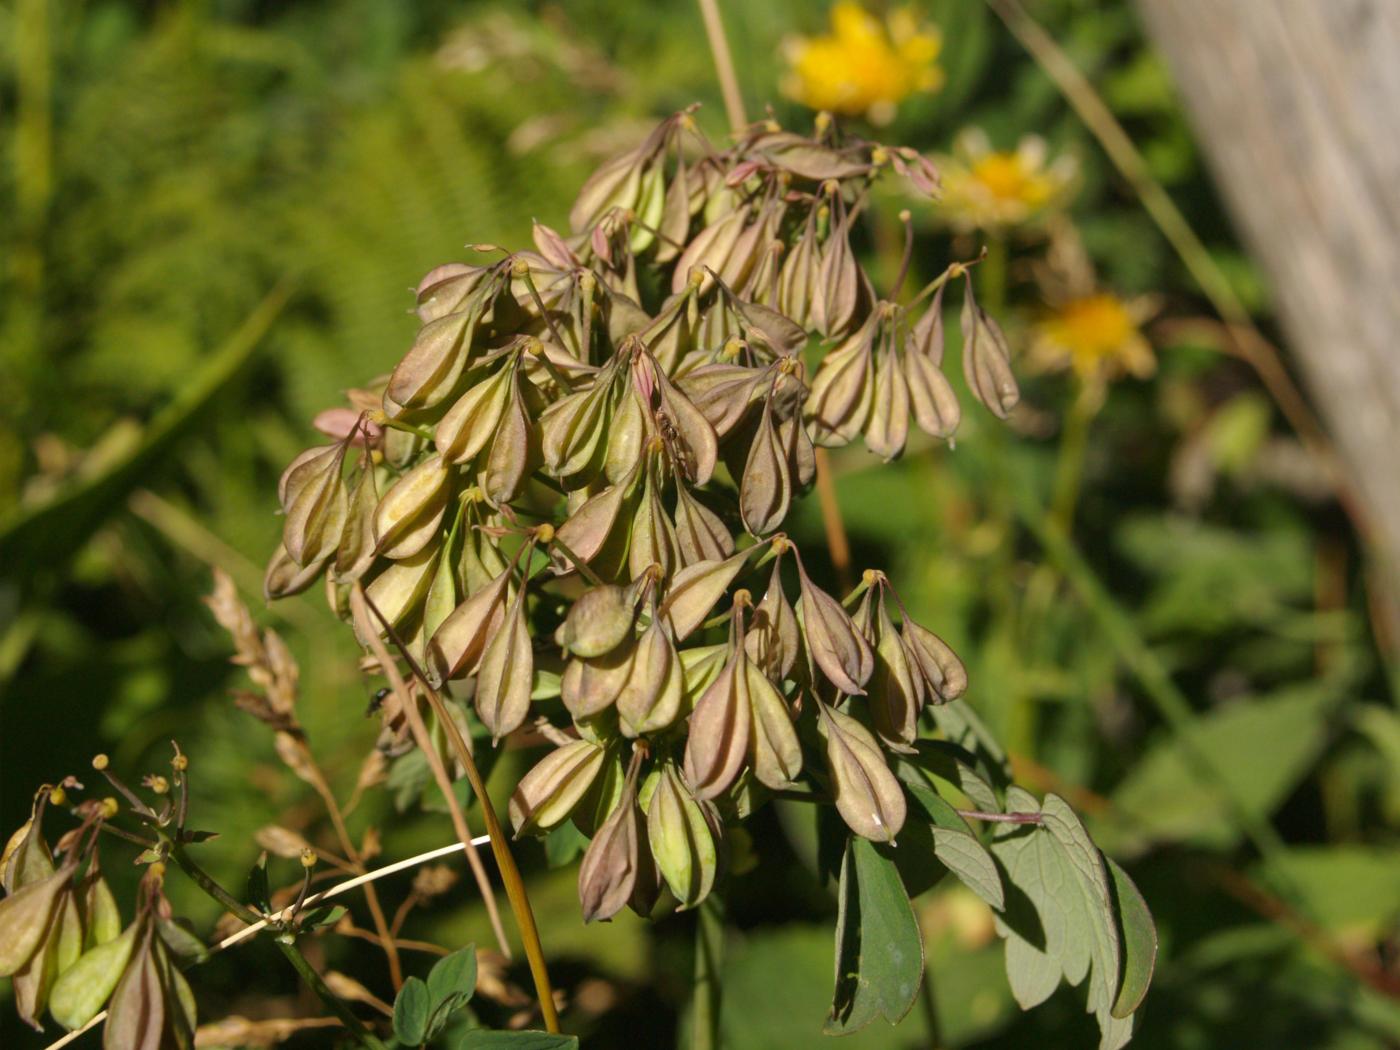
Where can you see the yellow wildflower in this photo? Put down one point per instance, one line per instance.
(992, 189)
(864, 67)
(1096, 336)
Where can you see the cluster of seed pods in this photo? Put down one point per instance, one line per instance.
(567, 494)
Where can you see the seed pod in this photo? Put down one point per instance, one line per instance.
(608, 874)
(513, 452)
(774, 751)
(718, 741)
(615, 184)
(400, 589)
(61, 945)
(696, 589)
(896, 688)
(317, 504)
(765, 490)
(589, 687)
(926, 335)
(507, 673)
(797, 281)
(284, 577)
(843, 390)
(764, 325)
(680, 839)
(773, 640)
(832, 640)
(653, 535)
(25, 917)
(26, 856)
(572, 430)
(601, 523)
(471, 423)
(671, 336)
(801, 455)
(598, 621)
(410, 514)
(152, 1006)
(987, 359)
(694, 429)
(441, 599)
(675, 216)
(104, 921)
(653, 694)
(932, 657)
(80, 991)
(429, 371)
(446, 289)
(868, 796)
(838, 286)
(887, 428)
(651, 204)
(935, 406)
(626, 435)
(548, 793)
(356, 552)
(455, 648)
(700, 534)
(711, 250)
(702, 666)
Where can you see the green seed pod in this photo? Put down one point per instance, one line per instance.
(700, 534)
(589, 687)
(987, 359)
(935, 660)
(843, 391)
(513, 452)
(548, 793)
(654, 692)
(626, 435)
(887, 427)
(429, 371)
(765, 490)
(896, 688)
(608, 874)
(696, 589)
(356, 552)
(599, 621)
(601, 525)
(653, 539)
(573, 430)
(317, 505)
(80, 991)
(931, 397)
(694, 430)
(284, 577)
(399, 590)
(832, 640)
(455, 648)
(774, 640)
(101, 916)
(681, 840)
(774, 751)
(410, 514)
(25, 918)
(868, 797)
(471, 423)
(507, 673)
(718, 741)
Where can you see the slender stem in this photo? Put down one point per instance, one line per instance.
(724, 65)
(709, 961)
(360, 607)
(1000, 818)
(510, 873)
(1069, 462)
(286, 943)
(837, 542)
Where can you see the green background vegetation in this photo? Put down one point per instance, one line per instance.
(166, 166)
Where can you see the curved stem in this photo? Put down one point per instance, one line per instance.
(724, 65)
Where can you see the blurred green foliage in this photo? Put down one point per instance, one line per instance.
(168, 165)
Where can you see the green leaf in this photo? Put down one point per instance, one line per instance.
(1060, 920)
(1138, 935)
(563, 844)
(411, 1010)
(181, 940)
(954, 765)
(326, 915)
(879, 949)
(1261, 748)
(957, 847)
(451, 982)
(483, 1039)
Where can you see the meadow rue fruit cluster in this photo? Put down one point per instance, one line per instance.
(568, 497)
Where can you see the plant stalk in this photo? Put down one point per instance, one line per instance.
(709, 961)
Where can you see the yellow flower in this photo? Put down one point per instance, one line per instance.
(864, 66)
(1096, 336)
(985, 188)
